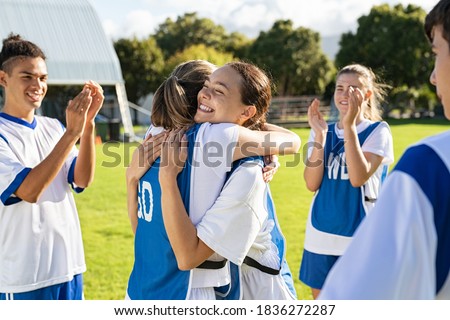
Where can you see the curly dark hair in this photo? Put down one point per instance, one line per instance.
(15, 47)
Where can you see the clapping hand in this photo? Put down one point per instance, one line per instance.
(97, 99)
(315, 118)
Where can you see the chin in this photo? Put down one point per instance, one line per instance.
(200, 119)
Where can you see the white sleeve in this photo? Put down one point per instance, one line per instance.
(12, 173)
(232, 224)
(380, 143)
(216, 143)
(392, 255)
(153, 131)
(212, 159)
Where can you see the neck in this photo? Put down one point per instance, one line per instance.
(357, 121)
(21, 114)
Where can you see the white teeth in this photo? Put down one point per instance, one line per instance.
(205, 108)
(34, 96)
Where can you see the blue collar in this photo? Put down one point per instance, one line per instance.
(31, 125)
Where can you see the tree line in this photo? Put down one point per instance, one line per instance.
(388, 39)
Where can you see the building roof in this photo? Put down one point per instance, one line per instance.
(71, 36)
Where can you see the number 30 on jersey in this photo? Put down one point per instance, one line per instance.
(145, 201)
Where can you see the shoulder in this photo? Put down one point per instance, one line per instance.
(217, 127)
(428, 163)
(49, 122)
(427, 154)
(439, 144)
(376, 126)
(217, 132)
(379, 131)
(382, 125)
(247, 175)
(153, 130)
(384, 128)
(44, 119)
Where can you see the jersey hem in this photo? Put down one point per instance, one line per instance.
(43, 284)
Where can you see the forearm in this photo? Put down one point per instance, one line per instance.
(274, 128)
(276, 140)
(132, 204)
(357, 165)
(289, 141)
(189, 250)
(315, 164)
(41, 176)
(85, 166)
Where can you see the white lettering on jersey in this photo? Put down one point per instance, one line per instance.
(145, 212)
(335, 165)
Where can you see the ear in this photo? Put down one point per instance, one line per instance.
(248, 113)
(2, 78)
(368, 94)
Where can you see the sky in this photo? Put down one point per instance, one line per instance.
(125, 19)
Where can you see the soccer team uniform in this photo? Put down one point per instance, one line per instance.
(338, 208)
(401, 250)
(155, 273)
(40, 243)
(242, 227)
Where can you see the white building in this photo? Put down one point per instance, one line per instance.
(77, 49)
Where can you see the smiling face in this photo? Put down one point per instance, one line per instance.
(25, 87)
(344, 82)
(220, 98)
(440, 77)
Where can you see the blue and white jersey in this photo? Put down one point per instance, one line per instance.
(243, 223)
(155, 273)
(401, 250)
(46, 234)
(279, 241)
(338, 208)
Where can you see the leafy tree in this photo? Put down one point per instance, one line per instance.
(142, 63)
(294, 58)
(237, 44)
(392, 42)
(187, 30)
(199, 51)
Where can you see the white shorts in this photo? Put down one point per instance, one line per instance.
(194, 294)
(258, 285)
(201, 294)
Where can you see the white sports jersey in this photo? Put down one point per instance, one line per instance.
(40, 243)
(232, 225)
(213, 158)
(401, 250)
(238, 225)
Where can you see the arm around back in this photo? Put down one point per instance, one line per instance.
(276, 140)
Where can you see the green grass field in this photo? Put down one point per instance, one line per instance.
(108, 239)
